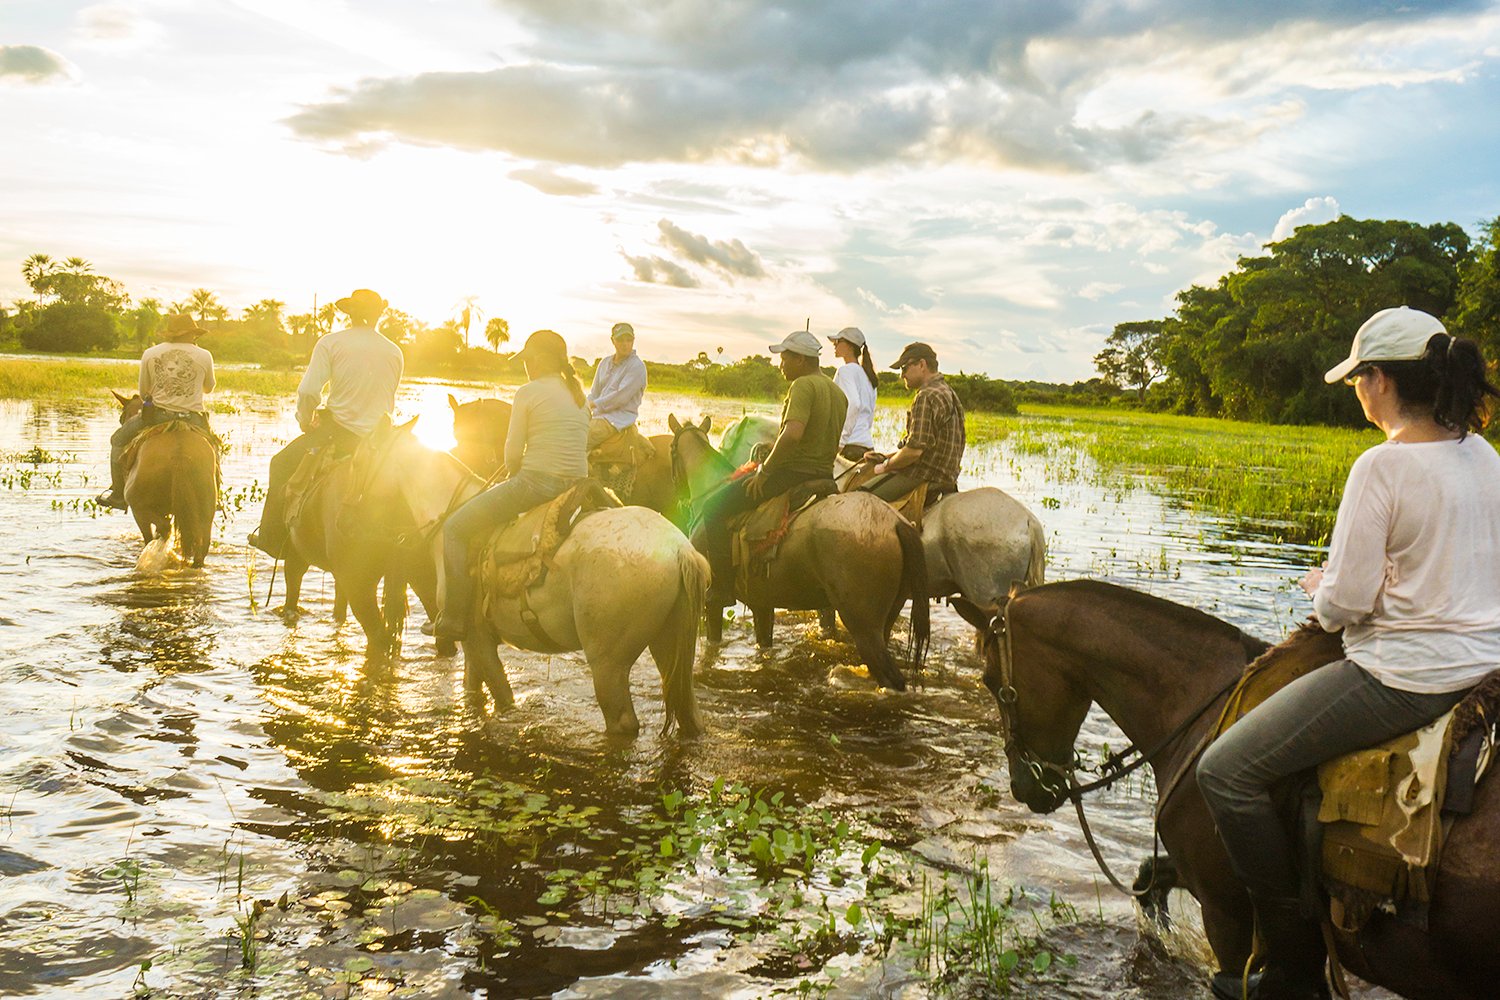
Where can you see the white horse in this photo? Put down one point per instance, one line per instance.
(624, 580)
(980, 544)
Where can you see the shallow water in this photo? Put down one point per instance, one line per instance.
(198, 800)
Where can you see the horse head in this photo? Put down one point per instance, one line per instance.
(378, 465)
(129, 405)
(479, 428)
(696, 464)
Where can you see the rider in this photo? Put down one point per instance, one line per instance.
(615, 397)
(1413, 579)
(933, 448)
(811, 420)
(361, 369)
(174, 376)
(856, 376)
(546, 451)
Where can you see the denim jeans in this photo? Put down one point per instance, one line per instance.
(271, 535)
(718, 508)
(496, 506)
(1334, 710)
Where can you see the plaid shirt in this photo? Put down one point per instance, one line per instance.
(935, 423)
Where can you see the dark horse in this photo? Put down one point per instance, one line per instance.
(1151, 665)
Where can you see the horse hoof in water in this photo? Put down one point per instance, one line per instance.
(447, 647)
(288, 613)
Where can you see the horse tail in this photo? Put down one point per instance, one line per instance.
(1036, 566)
(687, 612)
(914, 585)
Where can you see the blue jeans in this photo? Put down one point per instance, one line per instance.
(496, 506)
(1334, 710)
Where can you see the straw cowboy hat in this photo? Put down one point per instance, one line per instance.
(181, 326)
(361, 303)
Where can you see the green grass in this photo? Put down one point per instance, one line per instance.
(45, 379)
(1288, 479)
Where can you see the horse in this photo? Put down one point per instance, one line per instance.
(1161, 671)
(172, 481)
(982, 545)
(850, 552)
(744, 435)
(362, 561)
(480, 426)
(625, 579)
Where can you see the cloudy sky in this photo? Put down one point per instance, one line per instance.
(1006, 180)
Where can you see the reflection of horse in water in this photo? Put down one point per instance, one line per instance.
(850, 552)
(480, 426)
(172, 481)
(1151, 665)
(623, 580)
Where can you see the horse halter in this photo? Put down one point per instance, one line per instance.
(998, 636)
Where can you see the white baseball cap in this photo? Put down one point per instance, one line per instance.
(1399, 334)
(799, 342)
(853, 334)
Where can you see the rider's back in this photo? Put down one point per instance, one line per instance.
(362, 369)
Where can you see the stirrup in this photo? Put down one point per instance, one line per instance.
(111, 500)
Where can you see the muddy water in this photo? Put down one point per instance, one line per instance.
(197, 800)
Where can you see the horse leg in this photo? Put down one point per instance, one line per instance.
(393, 599)
(482, 668)
(612, 691)
(765, 625)
(713, 623)
(294, 568)
(828, 623)
(869, 631)
(340, 604)
(1155, 879)
(424, 582)
(143, 522)
(367, 612)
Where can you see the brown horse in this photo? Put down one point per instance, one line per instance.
(850, 552)
(1151, 665)
(480, 426)
(172, 480)
(360, 553)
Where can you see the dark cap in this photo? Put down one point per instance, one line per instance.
(916, 351)
(543, 346)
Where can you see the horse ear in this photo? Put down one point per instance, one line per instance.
(672, 422)
(122, 399)
(452, 403)
(704, 424)
(406, 428)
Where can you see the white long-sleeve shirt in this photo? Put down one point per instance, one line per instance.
(859, 420)
(175, 376)
(1413, 573)
(361, 369)
(618, 389)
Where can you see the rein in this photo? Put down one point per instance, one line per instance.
(1110, 771)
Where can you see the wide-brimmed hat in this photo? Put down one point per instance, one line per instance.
(543, 345)
(853, 334)
(799, 342)
(915, 351)
(1399, 334)
(622, 330)
(361, 303)
(180, 326)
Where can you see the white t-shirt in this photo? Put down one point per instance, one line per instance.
(174, 376)
(361, 369)
(859, 419)
(1413, 573)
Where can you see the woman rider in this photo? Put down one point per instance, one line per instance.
(546, 451)
(1413, 579)
(856, 377)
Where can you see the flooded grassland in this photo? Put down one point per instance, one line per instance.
(197, 800)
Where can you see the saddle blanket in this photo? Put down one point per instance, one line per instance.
(519, 555)
(759, 533)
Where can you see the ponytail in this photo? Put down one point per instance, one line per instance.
(1449, 378)
(570, 379)
(868, 365)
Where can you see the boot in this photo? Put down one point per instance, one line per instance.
(1295, 954)
(721, 583)
(114, 497)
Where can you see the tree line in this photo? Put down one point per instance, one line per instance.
(1255, 345)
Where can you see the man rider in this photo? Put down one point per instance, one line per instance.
(619, 384)
(933, 448)
(174, 376)
(361, 369)
(811, 420)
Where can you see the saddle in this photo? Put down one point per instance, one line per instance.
(518, 556)
(314, 469)
(614, 461)
(910, 505)
(758, 534)
(1374, 822)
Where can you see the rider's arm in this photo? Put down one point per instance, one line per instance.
(844, 379)
(791, 433)
(799, 407)
(310, 390)
(1356, 570)
(601, 374)
(515, 438)
(143, 380)
(632, 380)
(208, 376)
(921, 433)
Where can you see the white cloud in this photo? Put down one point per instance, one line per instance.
(1096, 290)
(115, 25)
(1311, 212)
(33, 64)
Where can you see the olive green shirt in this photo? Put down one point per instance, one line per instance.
(820, 405)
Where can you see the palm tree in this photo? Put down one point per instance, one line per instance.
(36, 269)
(469, 312)
(77, 265)
(204, 304)
(497, 332)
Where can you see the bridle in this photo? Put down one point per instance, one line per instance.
(419, 534)
(680, 482)
(1112, 769)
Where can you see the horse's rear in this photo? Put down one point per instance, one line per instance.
(173, 480)
(851, 552)
(981, 544)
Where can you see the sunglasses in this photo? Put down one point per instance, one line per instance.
(1358, 373)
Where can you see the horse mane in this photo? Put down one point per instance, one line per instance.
(1307, 643)
(1144, 604)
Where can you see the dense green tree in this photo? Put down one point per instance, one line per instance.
(71, 326)
(1476, 311)
(1132, 356)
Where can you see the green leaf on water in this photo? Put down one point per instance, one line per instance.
(868, 854)
(668, 846)
(854, 915)
(1009, 960)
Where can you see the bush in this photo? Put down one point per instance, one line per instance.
(979, 393)
(71, 327)
(754, 377)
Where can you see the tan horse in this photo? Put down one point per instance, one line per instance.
(480, 426)
(624, 580)
(1152, 665)
(850, 552)
(371, 569)
(172, 480)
